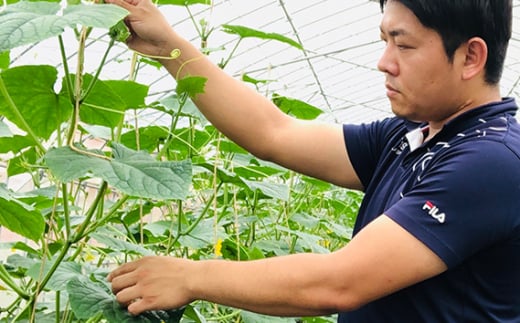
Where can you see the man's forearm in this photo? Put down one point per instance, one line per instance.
(237, 110)
(296, 285)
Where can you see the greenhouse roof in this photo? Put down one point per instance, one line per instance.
(336, 71)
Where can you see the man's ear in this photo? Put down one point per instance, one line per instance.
(476, 54)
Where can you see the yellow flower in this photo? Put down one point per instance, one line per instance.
(89, 256)
(218, 248)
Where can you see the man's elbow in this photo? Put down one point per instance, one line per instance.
(343, 302)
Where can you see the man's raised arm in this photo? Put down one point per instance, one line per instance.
(238, 111)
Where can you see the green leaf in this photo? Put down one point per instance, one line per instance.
(120, 245)
(65, 272)
(4, 60)
(133, 173)
(307, 240)
(88, 15)
(87, 298)
(19, 261)
(32, 90)
(103, 106)
(131, 93)
(19, 245)
(19, 217)
(185, 141)
(222, 174)
(297, 108)
(191, 86)
(257, 172)
(249, 79)
(149, 138)
(275, 190)
(170, 105)
(30, 22)
(229, 146)
(245, 32)
(20, 163)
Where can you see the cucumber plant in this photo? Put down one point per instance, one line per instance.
(106, 187)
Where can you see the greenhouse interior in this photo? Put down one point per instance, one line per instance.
(118, 164)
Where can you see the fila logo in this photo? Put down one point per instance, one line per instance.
(434, 212)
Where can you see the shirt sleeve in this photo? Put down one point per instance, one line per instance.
(367, 143)
(466, 200)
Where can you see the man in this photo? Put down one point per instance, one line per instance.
(437, 238)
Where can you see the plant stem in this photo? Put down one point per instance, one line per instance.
(14, 305)
(55, 265)
(66, 213)
(68, 82)
(224, 64)
(77, 87)
(173, 125)
(110, 213)
(209, 203)
(58, 295)
(180, 214)
(98, 71)
(6, 278)
(95, 319)
(80, 232)
(18, 114)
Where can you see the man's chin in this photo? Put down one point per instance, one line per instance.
(404, 113)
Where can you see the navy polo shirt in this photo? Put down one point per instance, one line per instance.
(458, 193)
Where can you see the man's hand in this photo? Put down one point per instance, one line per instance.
(150, 32)
(152, 283)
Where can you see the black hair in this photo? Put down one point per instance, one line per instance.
(457, 21)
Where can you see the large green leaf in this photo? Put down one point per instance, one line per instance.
(149, 138)
(19, 217)
(103, 106)
(133, 173)
(65, 272)
(120, 245)
(26, 22)
(131, 93)
(170, 105)
(88, 298)
(32, 90)
(275, 190)
(246, 32)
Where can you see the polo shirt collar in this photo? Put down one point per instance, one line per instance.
(417, 131)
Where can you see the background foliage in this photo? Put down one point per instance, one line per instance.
(107, 189)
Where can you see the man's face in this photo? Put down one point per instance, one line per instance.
(422, 84)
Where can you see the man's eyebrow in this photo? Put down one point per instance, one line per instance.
(394, 32)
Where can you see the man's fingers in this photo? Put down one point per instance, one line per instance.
(128, 295)
(121, 270)
(139, 305)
